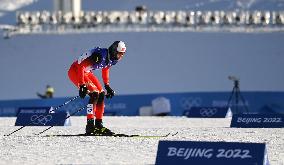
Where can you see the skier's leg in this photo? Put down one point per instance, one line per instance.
(95, 82)
(73, 76)
(91, 108)
(99, 108)
(101, 130)
(100, 103)
(93, 93)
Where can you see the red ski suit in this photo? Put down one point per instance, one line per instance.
(80, 73)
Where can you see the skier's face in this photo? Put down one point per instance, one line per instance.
(120, 55)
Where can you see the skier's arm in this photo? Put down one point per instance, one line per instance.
(40, 95)
(105, 75)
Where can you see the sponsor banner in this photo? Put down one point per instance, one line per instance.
(40, 116)
(129, 105)
(208, 112)
(8, 111)
(258, 120)
(204, 153)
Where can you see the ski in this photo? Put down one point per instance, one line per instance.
(115, 135)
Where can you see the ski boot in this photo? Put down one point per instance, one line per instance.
(100, 130)
(90, 127)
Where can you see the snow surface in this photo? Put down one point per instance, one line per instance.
(25, 148)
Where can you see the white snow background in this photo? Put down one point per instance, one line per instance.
(25, 148)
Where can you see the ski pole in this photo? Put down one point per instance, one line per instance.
(58, 122)
(52, 110)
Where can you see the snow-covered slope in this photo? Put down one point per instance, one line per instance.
(25, 148)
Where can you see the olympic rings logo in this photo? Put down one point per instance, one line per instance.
(208, 112)
(41, 119)
(187, 103)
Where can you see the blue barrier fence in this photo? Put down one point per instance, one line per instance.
(128, 105)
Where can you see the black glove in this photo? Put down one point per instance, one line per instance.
(110, 92)
(83, 91)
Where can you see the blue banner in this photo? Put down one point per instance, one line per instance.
(205, 153)
(129, 105)
(40, 116)
(208, 112)
(258, 120)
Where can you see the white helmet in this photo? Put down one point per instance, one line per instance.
(121, 47)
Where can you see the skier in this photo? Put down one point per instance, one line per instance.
(80, 73)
